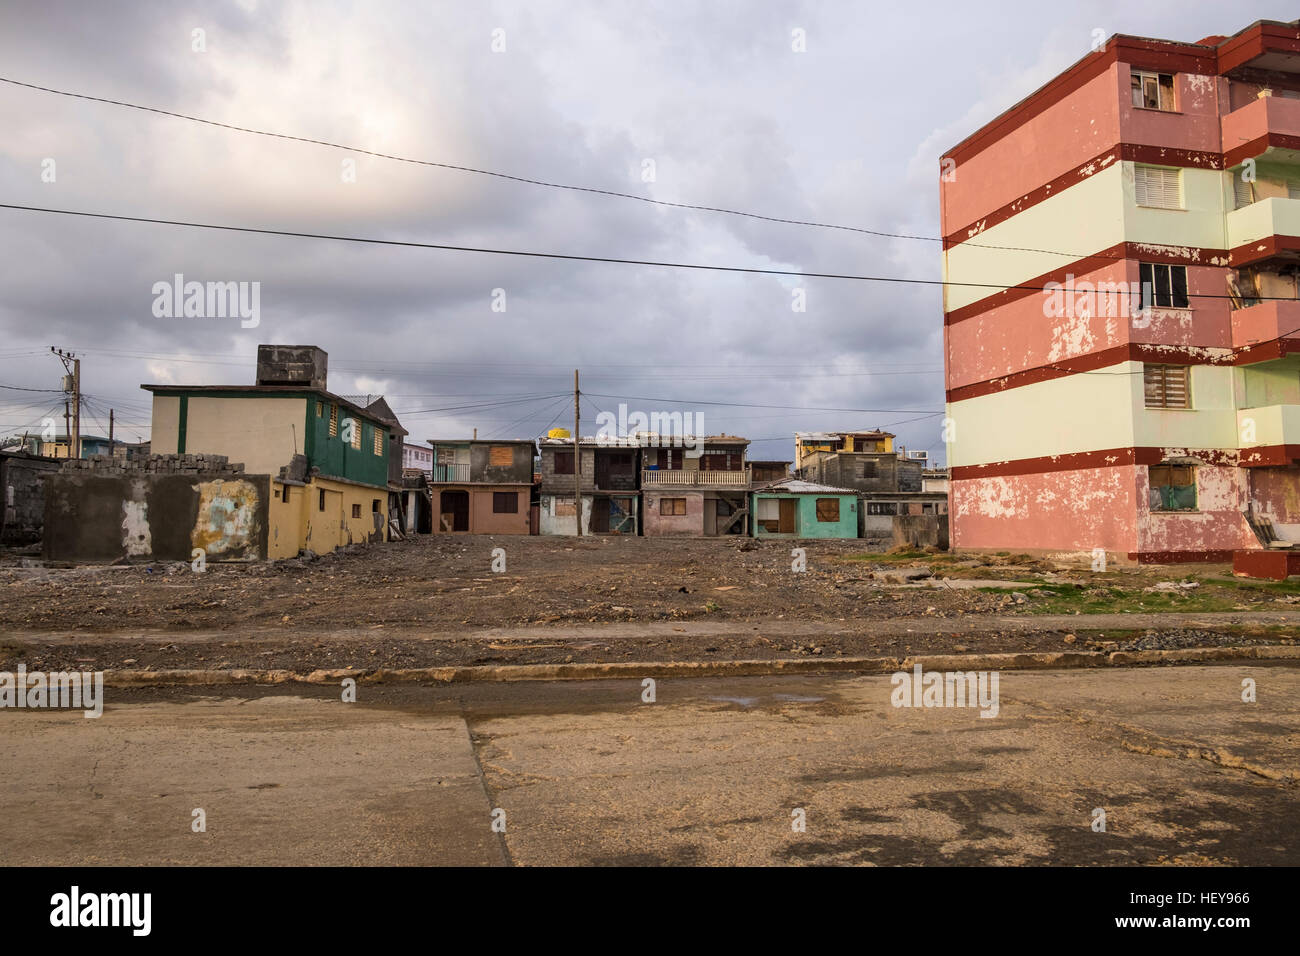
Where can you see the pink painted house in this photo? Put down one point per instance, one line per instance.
(1122, 314)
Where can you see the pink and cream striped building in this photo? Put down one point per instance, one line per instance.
(1122, 320)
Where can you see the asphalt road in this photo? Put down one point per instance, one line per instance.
(713, 772)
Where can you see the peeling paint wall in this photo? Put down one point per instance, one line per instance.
(155, 517)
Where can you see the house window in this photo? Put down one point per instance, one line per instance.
(828, 509)
(1157, 187)
(672, 506)
(882, 508)
(379, 442)
(374, 505)
(1166, 386)
(500, 456)
(868, 468)
(1153, 91)
(668, 459)
(718, 459)
(1243, 193)
(1173, 487)
(505, 502)
(322, 499)
(320, 410)
(356, 433)
(334, 420)
(1163, 286)
(356, 511)
(564, 462)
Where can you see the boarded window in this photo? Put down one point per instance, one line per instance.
(828, 509)
(501, 456)
(505, 502)
(356, 511)
(1163, 286)
(1153, 91)
(672, 506)
(1173, 487)
(1157, 187)
(564, 462)
(334, 420)
(1166, 386)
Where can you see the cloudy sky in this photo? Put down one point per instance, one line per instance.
(712, 97)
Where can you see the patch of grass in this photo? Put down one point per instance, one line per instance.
(1066, 599)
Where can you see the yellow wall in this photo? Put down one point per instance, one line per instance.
(335, 527)
(285, 521)
(260, 432)
(166, 424)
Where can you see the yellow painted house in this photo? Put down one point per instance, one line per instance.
(327, 457)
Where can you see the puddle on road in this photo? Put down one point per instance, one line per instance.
(749, 702)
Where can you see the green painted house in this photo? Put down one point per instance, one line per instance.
(801, 509)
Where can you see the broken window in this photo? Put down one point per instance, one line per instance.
(1163, 286)
(1153, 91)
(1157, 187)
(505, 502)
(828, 509)
(1173, 487)
(564, 462)
(672, 506)
(1165, 386)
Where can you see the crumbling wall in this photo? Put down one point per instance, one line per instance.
(23, 498)
(921, 531)
(161, 508)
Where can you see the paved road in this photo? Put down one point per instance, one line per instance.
(710, 773)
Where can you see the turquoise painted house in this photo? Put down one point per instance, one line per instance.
(800, 509)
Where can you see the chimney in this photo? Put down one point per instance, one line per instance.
(303, 365)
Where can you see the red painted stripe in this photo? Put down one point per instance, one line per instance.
(1181, 557)
(1081, 460)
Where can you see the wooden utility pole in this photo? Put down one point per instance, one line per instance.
(67, 432)
(72, 364)
(110, 433)
(577, 458)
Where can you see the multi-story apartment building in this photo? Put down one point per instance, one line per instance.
(481, 487)
(1122, 326)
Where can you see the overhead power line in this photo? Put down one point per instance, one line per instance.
(522, 179)
(558, 255)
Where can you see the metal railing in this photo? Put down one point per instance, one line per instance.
(450, 472)
(680, 478)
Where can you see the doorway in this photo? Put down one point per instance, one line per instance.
(454, 511)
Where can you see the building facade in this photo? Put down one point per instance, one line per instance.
(328, 458)
(481, 487)
(1121, 320)
(794, 508)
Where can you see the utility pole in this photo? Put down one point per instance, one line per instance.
(67, 432)
(577, 459)
(110, 433)
(72, 365)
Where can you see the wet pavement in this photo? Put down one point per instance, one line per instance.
(774, 770)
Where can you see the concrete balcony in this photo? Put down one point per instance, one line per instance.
(1265, 322)
(1275, 115)
(1263, 229)
(1266, 432)
(680, 478)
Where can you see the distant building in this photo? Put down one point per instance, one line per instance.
(794, 508)
(864, 461)
(481, 486)
(417, 458)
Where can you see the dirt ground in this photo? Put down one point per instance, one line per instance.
(435, 600)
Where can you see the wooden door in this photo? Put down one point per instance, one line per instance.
(789, 511)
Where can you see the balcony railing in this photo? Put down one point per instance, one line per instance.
(680, 478)
(1259, 222)
(1265, 322)
(450, 472)
(1278, 115)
